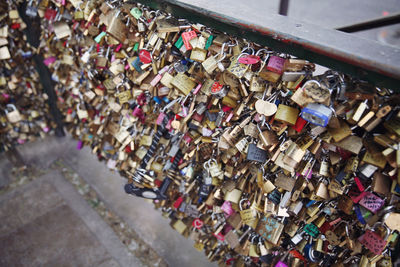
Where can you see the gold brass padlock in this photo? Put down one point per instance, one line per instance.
(287, 114)
(183, 83)
(179, 226)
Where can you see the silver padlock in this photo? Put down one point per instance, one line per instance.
(82, 113)
(13, 116)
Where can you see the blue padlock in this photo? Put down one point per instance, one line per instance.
(165, 99)
(137, 64)
(157, 100)
(317, 114)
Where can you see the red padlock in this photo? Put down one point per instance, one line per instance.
(186, 37)
(249, 59)
(197, 223)
(178, 202)
(50, 14)
(145, 56)
(299, 125)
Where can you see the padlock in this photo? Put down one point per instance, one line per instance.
(218, 90)
(213, 168)
(265, 108)
(249, 215)
(61, 29)
(371, 202)
(286, 114)
(182, 83)
(265, 255)
(276, 64)
(256, 154)
(235, 194)
(313, 89)
(317, 114)
(253, 250)
(13, 116)
(236, 68)
(270, 229)
(232, 239)
(373, 241)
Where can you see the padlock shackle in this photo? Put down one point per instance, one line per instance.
(382, 224)
(241, 202)
(8, 106)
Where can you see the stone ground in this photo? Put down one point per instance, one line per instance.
(67, 209)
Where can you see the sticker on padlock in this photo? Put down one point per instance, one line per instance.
(311, 229)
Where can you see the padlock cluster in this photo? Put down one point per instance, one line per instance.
(24, 113)
(253, 154)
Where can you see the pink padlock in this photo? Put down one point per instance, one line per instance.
(156, 79)
(371, 202)
(281, 262)
(374, 242)
(21, 141)
(138, 112)
(227, 208)
(160, 118)
(168, 126)
(49, 60)
(276, 64)
(187, 138)
(118, 47)
(184, 112)
(6, 97)
(229, 117)
(219, 236)
(197, 89)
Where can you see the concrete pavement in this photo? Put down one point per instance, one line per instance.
(68, 209)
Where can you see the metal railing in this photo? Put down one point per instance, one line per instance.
(361, 58)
